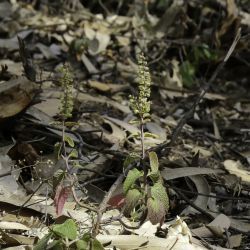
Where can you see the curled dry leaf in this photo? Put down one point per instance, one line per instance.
(200, 201)
(236, 168)
(15, 96)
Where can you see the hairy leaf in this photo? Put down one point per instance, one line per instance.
(73, 154)
(154, 174)
(66, 230)
(132, 176)
(42, 244)
(96, 245)
(70, 141)
(130, 159)
(132, 198)
(81, 245)
(156, 210)
(154, 164)
(158, 192)
(56, 245)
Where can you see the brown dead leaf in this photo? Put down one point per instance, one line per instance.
(15, 96)
(107, 87)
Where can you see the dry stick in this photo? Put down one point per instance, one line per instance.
(23, 205)
(80, 203)
(211, 216)
(165, 147)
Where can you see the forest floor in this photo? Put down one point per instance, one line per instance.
(61, 176)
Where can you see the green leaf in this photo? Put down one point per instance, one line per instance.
(187, 71)
(57, 149)
(154, 163)
(81, 245)
(135, 135)
(130, 159)
(131, 178)
(134, 122)
(73, 154)
(66, 230)
(150, 135)
(156, 211)
(86, 237)
(70, 124)
(69, 140)
(146, 116)
(56, 245)
(42, 243)
(132, 199)
(158, 192)
(154, 176)
(96, 245)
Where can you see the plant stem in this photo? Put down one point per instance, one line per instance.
(63, 137)
(142, 138)
(143, 154)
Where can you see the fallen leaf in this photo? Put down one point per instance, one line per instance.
(236, 168)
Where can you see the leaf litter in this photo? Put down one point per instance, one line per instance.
(205, 168)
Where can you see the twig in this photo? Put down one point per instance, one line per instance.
(185, 198)
(119, 219)
(5, 174)
(165, 147)
(211, 216)
(23, 205)
(82, 204)
(224, 197)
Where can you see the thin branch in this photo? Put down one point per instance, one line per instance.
(82, 204)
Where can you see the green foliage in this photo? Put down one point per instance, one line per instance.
(155, 196)
(133, 175)
(189, 67)
(150, 135)
(133, 157)
(66, 230)
(66, 82)
(64, 236)
(86, 242)
(158, 203)
(154, 163)
(42, 244)
(187, 71)
(158, 192)
(154, 174)
(156, 211)
(132, 199)
(73, 154)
